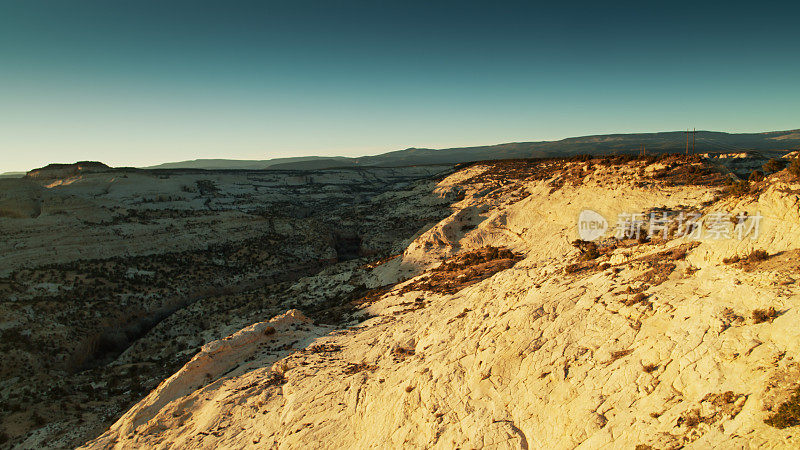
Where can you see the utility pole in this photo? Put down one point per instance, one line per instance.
(687, 141)
(694, 131)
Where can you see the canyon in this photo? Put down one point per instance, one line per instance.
(437, 306)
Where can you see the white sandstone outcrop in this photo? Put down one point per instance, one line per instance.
(228, 357)
(537, 356)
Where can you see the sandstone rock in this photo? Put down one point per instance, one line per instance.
(533, 357)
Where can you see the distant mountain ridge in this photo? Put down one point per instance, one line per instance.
(243, 164)
(661, 142)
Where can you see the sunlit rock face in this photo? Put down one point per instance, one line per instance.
(484, 320)
(60, 171)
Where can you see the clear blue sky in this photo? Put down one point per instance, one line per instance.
(140, 82)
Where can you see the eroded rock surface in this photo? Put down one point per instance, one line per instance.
(650, 344)
(112, 279)
(443, 312)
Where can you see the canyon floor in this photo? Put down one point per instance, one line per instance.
(429, 306)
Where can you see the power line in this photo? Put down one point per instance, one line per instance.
(694, 131)
(724, 145)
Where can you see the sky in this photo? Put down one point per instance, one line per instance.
(135, 83)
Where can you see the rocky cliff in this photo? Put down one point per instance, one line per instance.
(499, 327)
(111, 280)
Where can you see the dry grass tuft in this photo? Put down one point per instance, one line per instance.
(324, 348)
(758, 255)
(650, 368)
(690, 418)
(620, 354)
(765, 315)
(360, 367)
(718, 407)
(401, 353)
(730, 317)
(275, 379)
(753, 257)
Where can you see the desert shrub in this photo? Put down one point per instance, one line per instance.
(764, 315)
(403, 351)
(690, 418)
(37, 419)
(758, 255)
(479, 256)
(463, 313)
(739, 188)
(788, 414)
(359, 367)
(324, 348)
(725, 398)
(580, 158)
(756, 176)
(649, 368)
(638, 298)
(206, 187)
(275, 379)
(730, 316)
(754, 256)
(588, 249)
(794, 168)
(465, 269)
(678, 253)
(773, 165)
